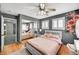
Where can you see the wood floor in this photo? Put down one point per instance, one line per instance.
(12, 48)
(64, 51)
(16, 46)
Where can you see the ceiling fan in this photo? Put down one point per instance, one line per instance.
(44, 9)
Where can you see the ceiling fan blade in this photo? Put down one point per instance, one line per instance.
(52, 9)
(33, 9)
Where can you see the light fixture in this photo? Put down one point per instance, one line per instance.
(42, 9)
(42, 13)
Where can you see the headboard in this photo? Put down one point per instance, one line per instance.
(55, 32)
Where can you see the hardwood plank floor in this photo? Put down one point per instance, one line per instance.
(17, 46)
(12, 48)
(64, 50)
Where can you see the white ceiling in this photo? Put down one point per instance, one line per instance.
(26, 21)
(30, 9)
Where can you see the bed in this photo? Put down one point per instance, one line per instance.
(45, 44)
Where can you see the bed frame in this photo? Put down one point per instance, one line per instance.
(32, 50)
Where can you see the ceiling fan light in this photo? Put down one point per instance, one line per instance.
(42, 13)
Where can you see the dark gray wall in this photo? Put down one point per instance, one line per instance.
(67, 37)
(19, 24)
(19, 28)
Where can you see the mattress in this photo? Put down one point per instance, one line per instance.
(48, 47)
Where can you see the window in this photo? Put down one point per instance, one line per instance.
(24, 27)
(58, 23)
(61, 24)
(45, 24)
(31, 25)
(35, 25)
(54, 22)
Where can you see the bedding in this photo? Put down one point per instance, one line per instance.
(52, 37)
(48, 46)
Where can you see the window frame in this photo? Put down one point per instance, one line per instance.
(59, 28)
(52, 24)
(35, 25)
(44, 22)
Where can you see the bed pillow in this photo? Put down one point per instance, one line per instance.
(50, 35)
(56, 36)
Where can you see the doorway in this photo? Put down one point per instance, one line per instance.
(8, 31)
